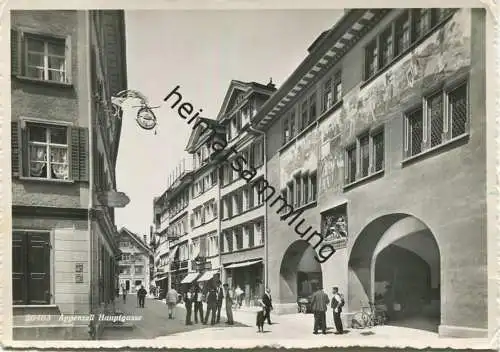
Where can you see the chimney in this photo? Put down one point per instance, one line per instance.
(271, 84)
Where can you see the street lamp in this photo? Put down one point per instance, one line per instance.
(145, 117)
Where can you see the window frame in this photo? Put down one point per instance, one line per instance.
(21, 54)
(437, 17)
(24, 154)
(356, 148)
(445, 91)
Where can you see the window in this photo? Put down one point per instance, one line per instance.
(45, 58)
(298, 190)
(444, 117)
(303, 115)
(305, 183)
(125, 256)
(351, 164)
(139, 270)
(286, 130)
(291, 193)
(314, 186)
(125, 270)
(31, 267)
(258, 153)
(371, 59)
(458, 110)
(327, 94)
(415, 132)
(239, 238)
(386, 44)
(378, 151)
(48, 152)
(365, 157)
(124, 244)
(436, 116)
(43, 151)
(293, 132)
(332, 91)
(312, 108)
(422, 22)
(402, 33)
(410, 27)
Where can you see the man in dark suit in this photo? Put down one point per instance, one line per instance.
(211, 306)
(337, 304)
(268, 304)
(220, 297)
(319, 305)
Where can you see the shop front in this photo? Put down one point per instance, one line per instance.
(246, 277)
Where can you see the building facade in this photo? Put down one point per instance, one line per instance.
(134, 262)
(64, 66)
(212, 220)
(378, 140)
(242, 234)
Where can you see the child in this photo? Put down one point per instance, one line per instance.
(261, 315)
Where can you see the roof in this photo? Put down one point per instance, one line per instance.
(136, 239)
(317, 50)
(245, 87)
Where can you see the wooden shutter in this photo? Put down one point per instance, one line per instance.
(69, 79)
(14, 51)
(79, 154)
(24, 146)
(19, 269)
(38, 268)
(15, 150)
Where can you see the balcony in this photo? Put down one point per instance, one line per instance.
(179, 265)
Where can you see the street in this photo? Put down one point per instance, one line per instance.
(285, 329)
(155, 322)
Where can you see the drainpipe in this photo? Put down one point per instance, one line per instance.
(91, 170)
(219, 224)
(266, 246)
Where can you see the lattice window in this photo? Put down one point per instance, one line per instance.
(457, 110)
(351, 164)
(435, 114)
(364, 157)
(415, 123)
(378, 151)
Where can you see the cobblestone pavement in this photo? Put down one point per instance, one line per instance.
(154, 322)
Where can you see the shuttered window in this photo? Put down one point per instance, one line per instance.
(41, 57)
(44, 151)
(30, 268)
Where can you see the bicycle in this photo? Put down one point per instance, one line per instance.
(368, 317)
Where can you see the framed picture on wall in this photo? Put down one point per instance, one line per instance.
(334, 226)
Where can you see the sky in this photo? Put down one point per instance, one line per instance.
(201, 51)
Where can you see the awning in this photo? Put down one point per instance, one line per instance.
(189, 278)
(207, 275)
(240, 265)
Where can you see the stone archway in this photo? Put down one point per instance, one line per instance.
(395, 262)
(300, 272)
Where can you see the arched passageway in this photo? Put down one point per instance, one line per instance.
(300, 272)
(395, 262)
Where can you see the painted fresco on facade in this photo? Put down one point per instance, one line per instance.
(300, 156)
(441, 55)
